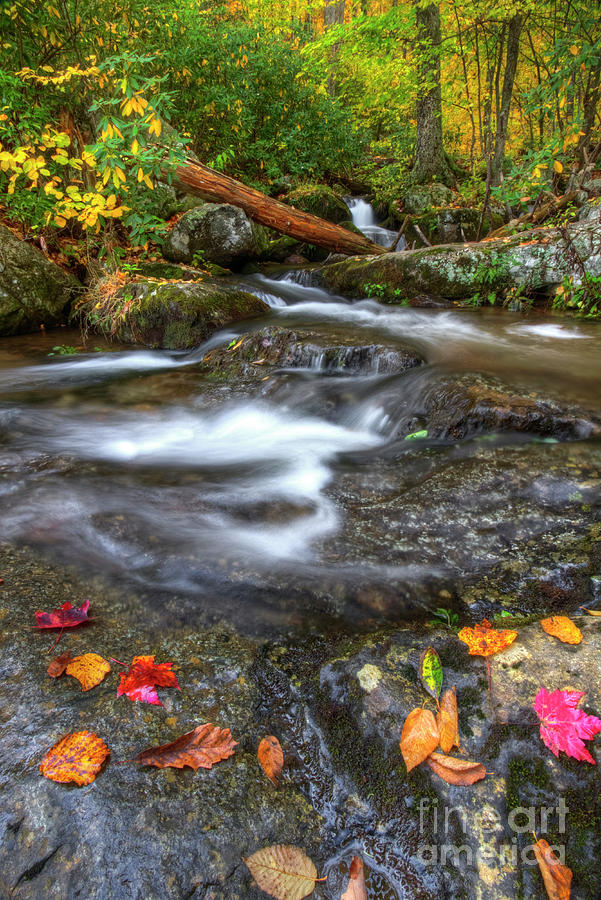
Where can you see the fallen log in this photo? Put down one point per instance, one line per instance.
(537, 216)
(206, 183)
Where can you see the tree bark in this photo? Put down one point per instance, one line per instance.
(203, 182)
(516, 24)
(430, 161)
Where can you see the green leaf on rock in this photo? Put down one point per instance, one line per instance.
(430, 672)
(416, 435)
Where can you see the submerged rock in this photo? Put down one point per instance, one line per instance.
(325, 352)
(180, 315)
(34, 291)
(215, 233)
(536, 262)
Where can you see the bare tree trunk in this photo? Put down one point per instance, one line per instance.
(194, 178)
(430, 162)
(516, 24)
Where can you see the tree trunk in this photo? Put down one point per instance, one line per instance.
(430, 162)
(203, 182)
(516, 24)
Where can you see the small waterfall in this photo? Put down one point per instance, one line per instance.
(364, 218)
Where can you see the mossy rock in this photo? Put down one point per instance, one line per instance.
(319, 200)
(180, 315)
(215, 233)
(420, 197)
(34, 291)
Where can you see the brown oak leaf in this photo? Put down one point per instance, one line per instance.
(201, 748)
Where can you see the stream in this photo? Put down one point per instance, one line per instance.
(283, 499)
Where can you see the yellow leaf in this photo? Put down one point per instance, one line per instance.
(558, 166)
(283, 871)
(574, 50)
(135, 146)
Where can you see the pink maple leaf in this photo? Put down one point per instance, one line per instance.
(562, 725)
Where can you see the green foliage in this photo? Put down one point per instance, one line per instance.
(447, 616)
(583, 297)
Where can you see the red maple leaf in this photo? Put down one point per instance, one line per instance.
(139, 682)
(562, 725)
(65, 617)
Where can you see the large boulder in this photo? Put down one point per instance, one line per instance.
(421, 197)
(534, 261)
(180, 315)
(319, 200)
(215, 233)
(33, 290)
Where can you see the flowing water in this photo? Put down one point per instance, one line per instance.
(364, 218)
(282, 498)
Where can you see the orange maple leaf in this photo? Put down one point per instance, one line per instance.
(77, 757)
(484, 640)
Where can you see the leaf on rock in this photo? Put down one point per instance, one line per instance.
(65, 617)
(484, 640)
(140, 680)
(59, 664)
(454, 770)
(356, 889)
(557, 878)
(283, 871)
(563, 628)
(419, 737)
(447, 721)
(89, 669)
(77, 757)
(430, 672)
(591, 612)
(563, 726)
(199, 749)
(271, 758)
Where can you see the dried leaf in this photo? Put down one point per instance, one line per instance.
(484, 640)
(591, 612)
(454, 770)
(199, 749)
(563, 628)
(283, 871)
(447, 720)
(77, 757)
(356, 889)
(430, 672)
(65, 617)
(89, 669)
(271, 758)
(140, 680)
(563, 726)
(419, 737)
(59, 664)
(557, 878)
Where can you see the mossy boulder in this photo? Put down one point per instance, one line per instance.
(33, 290)
(180, 315)
(319, 200)
(215, 233)
(536, 261)
(421, 197)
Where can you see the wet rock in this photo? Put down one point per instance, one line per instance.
(180, 315)
(472, 404)
(215, 233)
(456, 271)
(326, 352)
(319, 200)
(33, 290)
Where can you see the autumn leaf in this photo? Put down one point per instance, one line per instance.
(283, 871)
(199, 749)
(356, 889)
(89, 669)
(419, 737)
(563, 726)
(271, 758)
(447, 721)
(557, 878)
(430, 672)
(65, 617)
(484, 640)
(591, 612)
(140, 680)
(454, 770)
(563, 628)
(77, 757)
(59, 664)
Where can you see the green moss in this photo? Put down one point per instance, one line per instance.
(319, 200)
